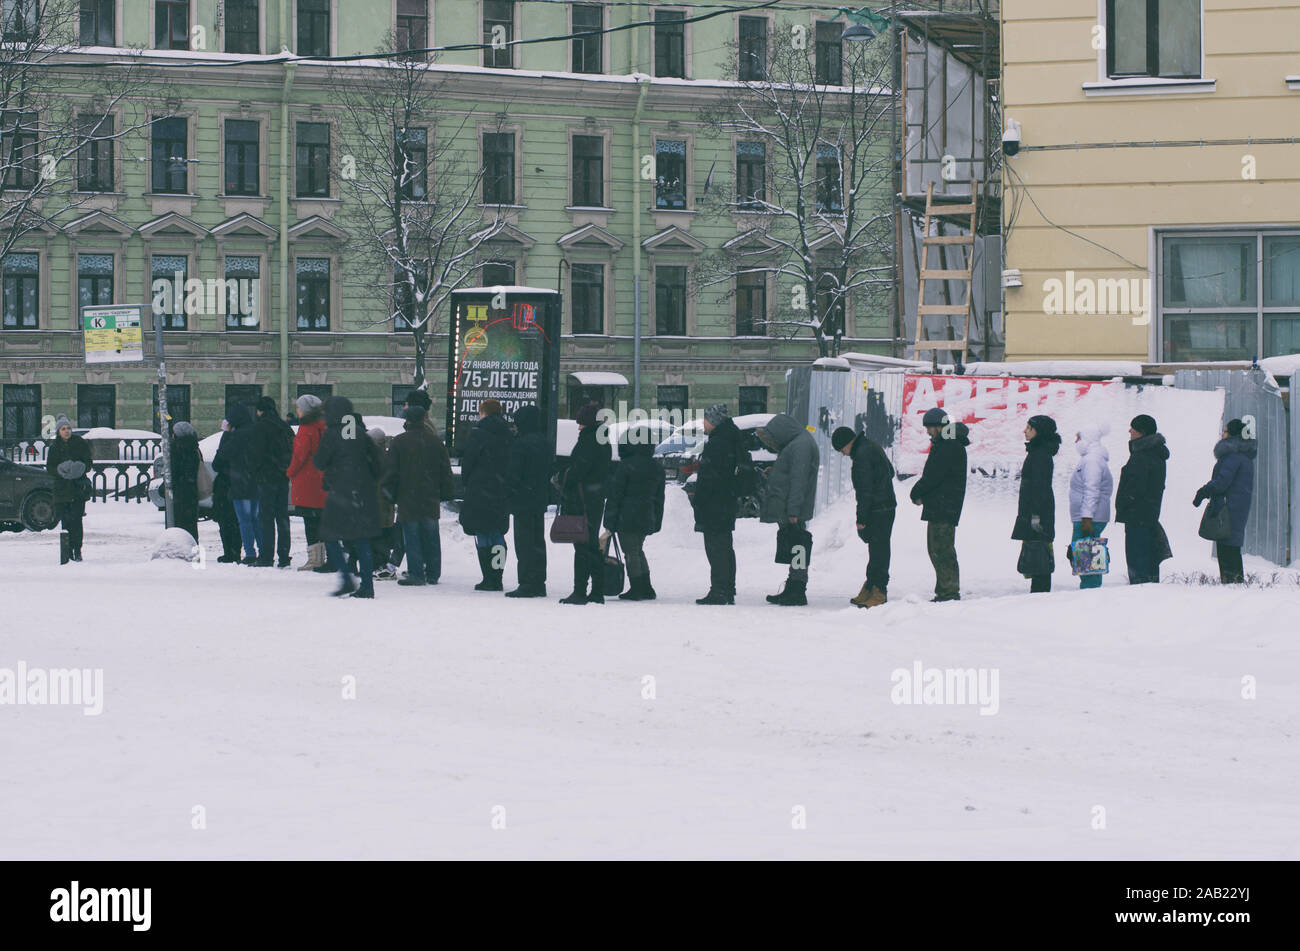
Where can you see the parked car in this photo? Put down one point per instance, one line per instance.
(26, 498)
(760, 456)
(680, 453)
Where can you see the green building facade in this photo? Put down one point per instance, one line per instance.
(231, 186)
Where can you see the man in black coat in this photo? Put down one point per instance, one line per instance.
(185, 463)
(527, 490)
(233, 460)
(69, 460)
(350, 465)
(635, 509)
(268, 456)
(484, 512)
(714, 502)
(940, 492)
(873, 484)
(585, 480)
(1138, 498)
(417, 477)
(1035, 525)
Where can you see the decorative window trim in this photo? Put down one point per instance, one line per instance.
(675, 136)
(265, 281)
(688, 60)
(118, 141)
(336, 288)
(429, 7)
(672, 259)
(588, 256)
(263, 120)
(293, 27)
(517, 31)
(517, 129)
(605, 63)
(153, 21)
(261, 28)
(191, 255)
(118, 252)
(770, 287)
(1144, 85)
(606, 136)
(42, 290)
(769, 34)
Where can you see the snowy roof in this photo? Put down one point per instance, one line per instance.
(752, 420)
(858, 360)
(1057, 368)
(599, 378)
(104, 432)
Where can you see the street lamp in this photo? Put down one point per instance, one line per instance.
(864, 24)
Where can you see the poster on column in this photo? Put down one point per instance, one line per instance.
(996, 409)
(504, 345)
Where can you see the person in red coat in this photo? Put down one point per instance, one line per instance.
(305, 491)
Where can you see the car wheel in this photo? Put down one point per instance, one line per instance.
(37, 513)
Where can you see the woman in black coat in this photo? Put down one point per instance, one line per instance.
(1035, 524)
(233, 461)
(1232, 484)
(636, 507)
(584, 481)
(350, 463)
(69, 461)
(528, 492)
(714, 502)
(485, 511)
(185, 462)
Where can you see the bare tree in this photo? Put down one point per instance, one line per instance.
(812, 178)
(419, 222)
(60, 121)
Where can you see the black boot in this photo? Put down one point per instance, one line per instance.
(795, 593)
(347, 585)
(647, 592)
(716, 597)
(491, 576)
(634, 590)
(65, 548)
(367, 590)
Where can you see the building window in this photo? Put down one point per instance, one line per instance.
(829, 69)
(22, 411)
(313, 27)
(97, 22)
(753, 48)
(400, 392)
(243, 279)
(242, 157)
(178, 405)
(20, 275)
(672, 398)
(20, 19)
(670, 173)
(169, 272)
(588, 17)
(246, 394)
(322, 391)
(498, 32)
(412, 153)
(19, 135)
(588, 291)
(751, 174)
(753, 399)
(241, 27)
(830, 192)
(830, 301)
(96, 405)
(412, 31)
(1157, 38)
(751, 305)
(94, 280)
(170, 152)
(313, 293)
(171, 24)
(588, 171)
(670, 43)
(1211, 304)
(312, 154)
(498, 274)
(95, 155)
(498, 168)
(670, 300)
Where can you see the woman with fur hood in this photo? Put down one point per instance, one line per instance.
(1035, 524)
(1232, 484)
(1091, 485)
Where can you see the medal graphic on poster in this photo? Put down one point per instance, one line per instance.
(476, 339)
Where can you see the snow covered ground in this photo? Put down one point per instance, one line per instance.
(491, 728)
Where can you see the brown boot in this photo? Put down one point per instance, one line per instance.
(863, 595)
(876, 598)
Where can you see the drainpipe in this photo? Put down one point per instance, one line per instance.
(644, 83)
(284, 224)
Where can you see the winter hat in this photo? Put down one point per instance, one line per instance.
(308, 404)
(1235, 427)
(1094, 432)
(419, 398)
(934, 417)
(378, 436)
(717, 414)
(490, 407)
(62, 421)
(266, 405)
(841, 438)
(185, 430)
(1043, 425)
(414, 414)
(1144, 424)
(587, 415)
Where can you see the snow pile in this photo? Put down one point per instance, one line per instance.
(174, 543)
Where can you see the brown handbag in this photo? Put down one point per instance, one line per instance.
(571, 529)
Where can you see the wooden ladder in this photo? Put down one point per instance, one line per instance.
(923, 342)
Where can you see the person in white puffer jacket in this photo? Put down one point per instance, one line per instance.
(1091, 486)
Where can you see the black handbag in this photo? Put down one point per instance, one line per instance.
(1216, 524)
(788, 539)
(614, 572)
(1036, 558)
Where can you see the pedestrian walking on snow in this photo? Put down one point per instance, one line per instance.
(873, 485)
(1035, 526)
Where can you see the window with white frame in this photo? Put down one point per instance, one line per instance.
(1153, 38)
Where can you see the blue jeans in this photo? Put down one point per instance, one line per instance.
(247, 512)
(365, 558)
(423, 549)
(1088, 581)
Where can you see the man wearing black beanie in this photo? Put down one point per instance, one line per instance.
(1137, 501)
(873, 483)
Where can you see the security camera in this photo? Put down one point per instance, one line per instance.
(1011, 138)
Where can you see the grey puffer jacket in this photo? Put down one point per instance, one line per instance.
(792, 483)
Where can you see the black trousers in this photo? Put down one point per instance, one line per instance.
(1230, 567)
(879, 533)
(273, 501)
(310, 524)
(721, 552)
(1040, 583)
(588, 560)
(223, 512)
(530, 548)
(70, 516)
